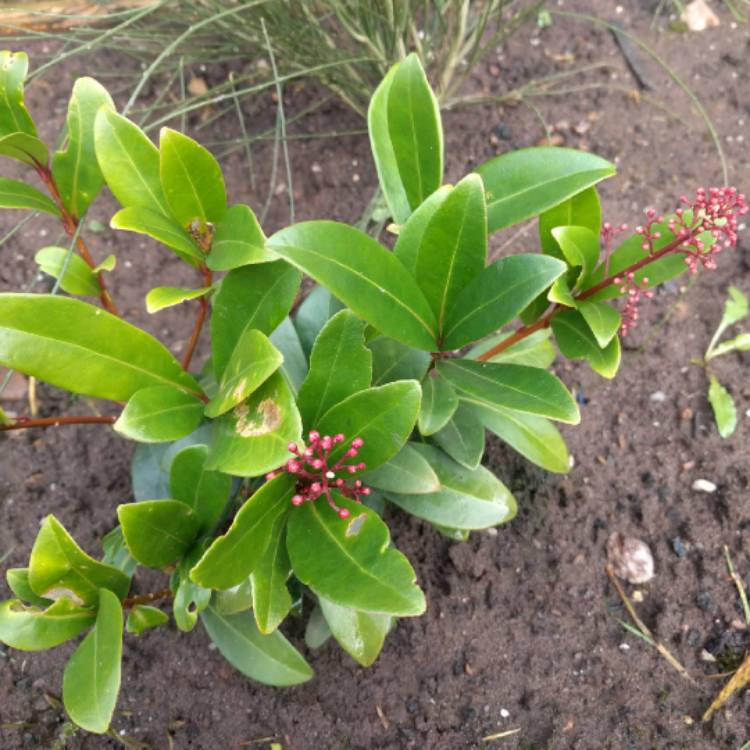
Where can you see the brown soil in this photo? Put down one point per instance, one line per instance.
(519, 633)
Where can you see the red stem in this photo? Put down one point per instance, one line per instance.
(198, 327)
(153, 596)
(22, 423)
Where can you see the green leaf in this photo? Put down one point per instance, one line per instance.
(535, 438)
(725, 411)
(576, 341)
(406, 137)
(497, 295)
(581, 210)
(14, 117)
(74, 166)
(739, 343)
(108, 264)
(392, 360)
(253, 361)
(129, 162)
(142, 618)
(158, 532)
(15, 194)
(534, 350)
(467, 498)
(205, 491)
(251, 439)
(383, 417)
(236, 599)
(453, 250)
(314, 312)
(410, 236)
(317, 631)
(603, 320)
(164, 229)
(191, 179)
(340, 365)
(463, 438)
(269, 659)
(360, 634)
(560, 293)
(59, 567)
(257, 296)
(35, 629)
(735, 308)
(159, 414)
(24, 148)
(91, 681)
(81, 348)
(439, 403)
(351, 561)
(581, 247)
(233, 556)
(271, 598)
(528, 181)
(407, 472)
(189, 598)
(116, 552)
(238, 240)
(18, 583)
(294, 367)
(162, 297)
(78, 277)
(527, 389)
(364, 275)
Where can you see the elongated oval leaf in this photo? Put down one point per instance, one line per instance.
(581, 210)
(439, 403)
(83, 349)
(527, 389)
(576, 341)
(18, 583)
(162, 297)
(723, 407)
(14, 117)
(463, 437)
(15, 194)
(392, 360)
(159, 414)
(271, 599)
(78, 277)
(581, 248)
(351, 561)
(407, 472)
(535, 350)
(411, 234)
(363, 275)
(233, 556)
(24, 148)
(314, 312)
(523, 183)
(238, 241)
(143, 617)
(294, 366)
(91, 681)
(269, 659)
(236, 599)
(35, 629)
(603, 320)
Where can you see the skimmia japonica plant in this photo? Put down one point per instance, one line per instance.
(261, 478)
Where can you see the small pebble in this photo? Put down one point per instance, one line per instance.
(679, 547)
(624, 647)
(693, 638)
(630, 558)
(703, 485)
(504, 713)
(703, 600)
(658, 396)
(707, 656)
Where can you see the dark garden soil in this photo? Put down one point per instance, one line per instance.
(519, 634)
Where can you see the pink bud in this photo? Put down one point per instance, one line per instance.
(343, 513)
(326, 443)
(339, 438)
(351, 469)
(314, 436)
(292, 466)
(292, 447)
(316, 488)
(317, 464)
(297, 500)
(357, 442)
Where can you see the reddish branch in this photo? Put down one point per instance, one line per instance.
(154, 596)
(199, 321)
(23, 423)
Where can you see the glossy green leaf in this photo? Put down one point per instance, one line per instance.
(740, 343)
(723, 407)
(581, 210)
(164, 229)
(467, 498)
(497, 295)
(14, 117)
(233, 556)
(257, 296)
(205, 491)
(407, 472)
(15, 194)
(269, 659)
(253, 361)
(340, 365)
(108, 264)
(560, 293)
(406, 137)
(191, 180)
(410, 236)
(18, 583)
(581, 247)
(116, 552)
(159, 414)
(91, 681)
(314, 312)
(58, 567)
(453, 250)
(362, 274)
(162, 297)
(294, 366)
(271, 598)
(392, 360)
(189, 598)
(158, 532)
(351, 561)
(576, 341)
(238, 240)
(236, 599)
(78, 277)
(735, 308)
(24, 148)
(527, 389)
(535, 350)
(528, 181)
(463, 437)
(439, 403)
(29, 628)
(142, 618)
(74, 165)
(383, 417)
(603, 320)
(81, 348)
(251, 439)
(360, 634)
(129, 162)
(317, 631)
(535, 438)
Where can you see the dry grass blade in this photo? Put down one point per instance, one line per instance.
(501, 735)
(740, 678)
(739, 584)
(54, 15)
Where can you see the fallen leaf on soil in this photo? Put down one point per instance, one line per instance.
(698, 16)
(740, 678)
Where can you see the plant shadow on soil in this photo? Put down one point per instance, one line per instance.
(518, 632)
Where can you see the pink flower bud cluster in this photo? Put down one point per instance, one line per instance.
(634, 292)
(607, 234)
(317, 475)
